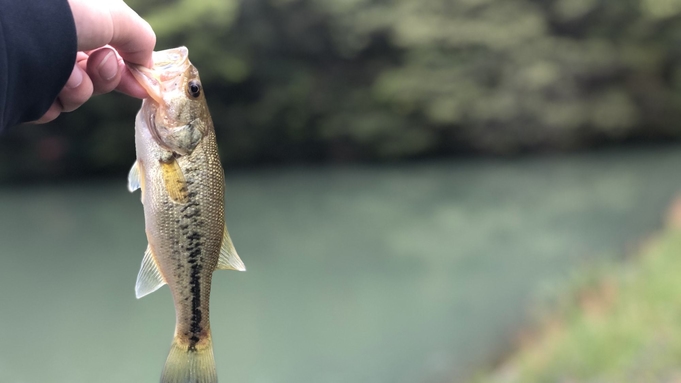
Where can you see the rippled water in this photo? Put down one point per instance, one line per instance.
(395, 274)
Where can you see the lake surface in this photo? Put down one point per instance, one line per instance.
(376, 274)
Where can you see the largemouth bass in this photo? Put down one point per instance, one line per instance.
(182, 182)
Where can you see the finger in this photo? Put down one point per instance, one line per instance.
(52, 113)
(130, 86)
(104, 70)
(81, 62)
(80, 56)
(94, 27)
(116, 24)
(77, 90)
(133, 37)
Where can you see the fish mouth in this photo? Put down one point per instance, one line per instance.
(169, 65)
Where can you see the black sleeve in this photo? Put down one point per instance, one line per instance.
(38, 46)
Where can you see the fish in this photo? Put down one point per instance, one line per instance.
(182, 190)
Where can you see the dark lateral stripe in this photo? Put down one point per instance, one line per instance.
(193, 249)
(195, 321)
(188, 205)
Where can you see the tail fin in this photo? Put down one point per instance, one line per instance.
(184, 365)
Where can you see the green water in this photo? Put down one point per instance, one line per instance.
(398, 274)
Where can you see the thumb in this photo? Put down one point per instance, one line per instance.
(115, 24)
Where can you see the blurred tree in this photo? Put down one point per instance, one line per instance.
(300, 80)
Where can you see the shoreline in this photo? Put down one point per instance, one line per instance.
(615, 323)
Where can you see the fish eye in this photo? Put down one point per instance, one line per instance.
(194, 89)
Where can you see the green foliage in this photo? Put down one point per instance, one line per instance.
(623, 330)
(301, 80)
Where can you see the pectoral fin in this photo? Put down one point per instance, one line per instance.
(229, 259)
(174, 180)
(134, 177)
(149, 278)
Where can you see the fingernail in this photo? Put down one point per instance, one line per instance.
(108, 68)
(76, 78)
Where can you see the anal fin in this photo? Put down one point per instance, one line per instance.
(149, 278)
(229, 259)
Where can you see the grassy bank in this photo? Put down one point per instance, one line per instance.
(624, 328)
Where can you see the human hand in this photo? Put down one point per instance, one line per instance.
(109, 33)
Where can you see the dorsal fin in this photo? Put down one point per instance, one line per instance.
(149, 279)
(229, 259)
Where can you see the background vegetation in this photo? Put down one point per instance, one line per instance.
(344, 80)
(621, 326)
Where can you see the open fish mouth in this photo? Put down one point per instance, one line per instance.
(160, 82)
(165, 76)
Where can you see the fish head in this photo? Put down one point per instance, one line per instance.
(176, 110)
